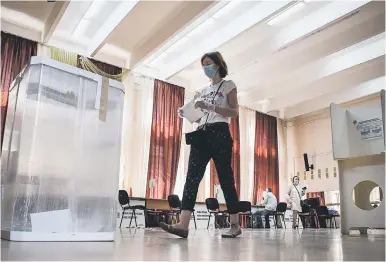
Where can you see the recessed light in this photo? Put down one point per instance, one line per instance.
(286, 13)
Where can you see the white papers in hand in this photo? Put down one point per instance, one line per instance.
(191, 113)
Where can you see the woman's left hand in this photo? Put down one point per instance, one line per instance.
(201, 104)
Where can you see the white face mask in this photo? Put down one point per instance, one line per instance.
(210, 71)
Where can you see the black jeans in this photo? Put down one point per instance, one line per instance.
(217, 145)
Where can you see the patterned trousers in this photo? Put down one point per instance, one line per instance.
(217, 145)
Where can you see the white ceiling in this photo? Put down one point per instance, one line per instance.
(318, 53)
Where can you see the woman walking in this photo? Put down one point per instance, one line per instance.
(212, 140)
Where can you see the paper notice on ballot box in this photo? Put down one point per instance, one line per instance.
(191, 113)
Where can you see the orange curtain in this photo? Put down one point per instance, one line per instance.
(165, 141)
(234, 128)
(319, 195)
(266, 171)
(15, 54)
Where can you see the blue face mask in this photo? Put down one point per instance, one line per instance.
(210, 71)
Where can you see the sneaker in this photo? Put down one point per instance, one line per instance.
(175, 231)
(232, 232)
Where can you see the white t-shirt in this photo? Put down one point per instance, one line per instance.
(221, 100)
(270, 201)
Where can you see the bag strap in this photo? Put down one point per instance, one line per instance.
(218, 89)
(298, 193)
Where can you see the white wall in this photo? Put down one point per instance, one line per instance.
(311, 134)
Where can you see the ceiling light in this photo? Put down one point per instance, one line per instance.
(177, 45)
(81, 27)
(286, 13)
(94, 9)
(226, 9)
(202, 27)
(158, 59)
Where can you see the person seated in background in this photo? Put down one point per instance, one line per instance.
(270, 203)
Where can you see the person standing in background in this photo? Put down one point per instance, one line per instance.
(294, 196)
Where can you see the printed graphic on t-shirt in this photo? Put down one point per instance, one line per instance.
(220, 100)
(208, 98)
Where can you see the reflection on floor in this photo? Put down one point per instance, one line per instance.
(153, 244)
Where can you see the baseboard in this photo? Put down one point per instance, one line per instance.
(57, 237)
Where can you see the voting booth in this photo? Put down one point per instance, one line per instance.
(60, 155)
(359, 146)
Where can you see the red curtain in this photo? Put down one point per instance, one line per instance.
(319, 195)
(15, 54)
(234, 128)
(266, 171)
(165, 141)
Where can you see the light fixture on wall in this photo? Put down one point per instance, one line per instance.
(286, 13)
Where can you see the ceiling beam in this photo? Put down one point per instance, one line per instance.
(18, 30)
(254, 15)
(170, 27)
(120, 12)
(54, 19)
(297, 33)
(343, 80)
(359, 53)
(342, 35)
(342, 96)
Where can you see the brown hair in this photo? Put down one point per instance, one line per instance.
(217, 58)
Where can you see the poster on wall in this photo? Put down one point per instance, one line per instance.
(202, 217)
(127, 215)
(370, 129)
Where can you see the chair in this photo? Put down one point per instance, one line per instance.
(333, 216)
(281, 208)
(306, 214)
(322, 212)
(214, 208)
(175, 208)
(124, 201)
(245, 209)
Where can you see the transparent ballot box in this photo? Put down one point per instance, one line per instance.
(61, 153)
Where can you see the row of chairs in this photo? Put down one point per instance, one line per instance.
(213, 207)
(174, 212)
(245, 208)
(321, 212)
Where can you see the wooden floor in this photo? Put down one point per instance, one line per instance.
(203, 245)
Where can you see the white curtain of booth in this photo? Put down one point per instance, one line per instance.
(247, 120)
(136, 132)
